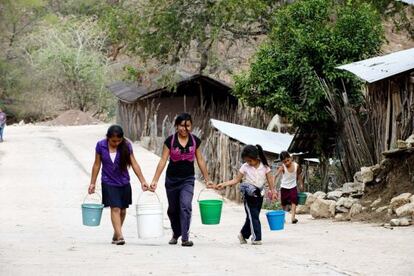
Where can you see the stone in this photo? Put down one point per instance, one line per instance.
(353, 187)
(310, 199)
(320, 195)
(332, 208)
(400, 200)
(302, 209)
(400, 222)
(346, 202)
(322, 208)
(395, 222)
(410, 141)
(405, 222)
(355, 210)
(412, 199)
(389, 211)
(405, 210)
(341, 209)
(401, 144)
(334, 195)
(376, 202)
(367, 174)
(381, 209)
(342, 217)
(358, 177)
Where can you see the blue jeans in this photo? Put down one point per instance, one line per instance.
(1, 132)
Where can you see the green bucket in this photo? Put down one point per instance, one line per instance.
(210, 210)
(302, 198)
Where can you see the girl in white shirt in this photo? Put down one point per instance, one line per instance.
(255, 172)
(291, 174)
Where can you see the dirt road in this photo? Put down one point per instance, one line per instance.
(44, 174)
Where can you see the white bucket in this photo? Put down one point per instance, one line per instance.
(149, 218)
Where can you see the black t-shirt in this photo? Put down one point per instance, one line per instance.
(181, 168)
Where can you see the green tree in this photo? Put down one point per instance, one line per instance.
(308, 40)
(169, 30)
(70, 59)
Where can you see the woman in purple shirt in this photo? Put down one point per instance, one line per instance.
(181, 148)
(115, 155)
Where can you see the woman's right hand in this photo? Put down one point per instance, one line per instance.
(153, 186)
(91, 188)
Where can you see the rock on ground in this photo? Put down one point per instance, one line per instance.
(322, 208)
(405, 210)
(355, 210)
(367, 174)
(320, 195)
(334, 195)
(400, 200)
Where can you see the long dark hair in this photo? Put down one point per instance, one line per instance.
(182, 117)
(254, 152)
(125, 155)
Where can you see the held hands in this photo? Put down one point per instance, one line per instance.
(210, 185)
(144, 186)
(273, 195)
(153, 186)
(220, 186)
(91, 188)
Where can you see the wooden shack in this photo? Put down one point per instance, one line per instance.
(389, 98)
(149, 110)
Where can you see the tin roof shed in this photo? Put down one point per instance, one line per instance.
(382, 67)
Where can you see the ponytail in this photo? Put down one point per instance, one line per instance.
(262, 155)
(125, 155)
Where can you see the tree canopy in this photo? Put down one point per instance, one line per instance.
(307, 41)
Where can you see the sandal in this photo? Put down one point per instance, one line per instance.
(294, 221)
(119, 241)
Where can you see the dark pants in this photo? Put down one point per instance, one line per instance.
(180, 196)
(252, 226)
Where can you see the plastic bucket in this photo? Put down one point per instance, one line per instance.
(276, 219)
(210, 210)
(302, 198)
(91, 213)
(149, 218)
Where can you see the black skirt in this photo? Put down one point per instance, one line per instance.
(116, 196)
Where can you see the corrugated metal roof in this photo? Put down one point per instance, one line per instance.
(273, 142)
(378, 68)
(411, 2)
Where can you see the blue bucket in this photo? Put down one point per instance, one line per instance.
(92, 212)
(276, 219)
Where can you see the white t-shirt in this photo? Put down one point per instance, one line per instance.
(256, 177)
(112, 155)
(289, 178)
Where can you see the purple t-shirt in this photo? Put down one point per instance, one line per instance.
(111, 171)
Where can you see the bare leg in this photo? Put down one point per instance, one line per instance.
(293, 212)
(123, 215)
(116, 222)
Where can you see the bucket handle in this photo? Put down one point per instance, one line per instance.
(139, 197)
(204, 189)
(100, 197)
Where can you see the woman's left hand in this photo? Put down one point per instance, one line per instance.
(153, 186)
